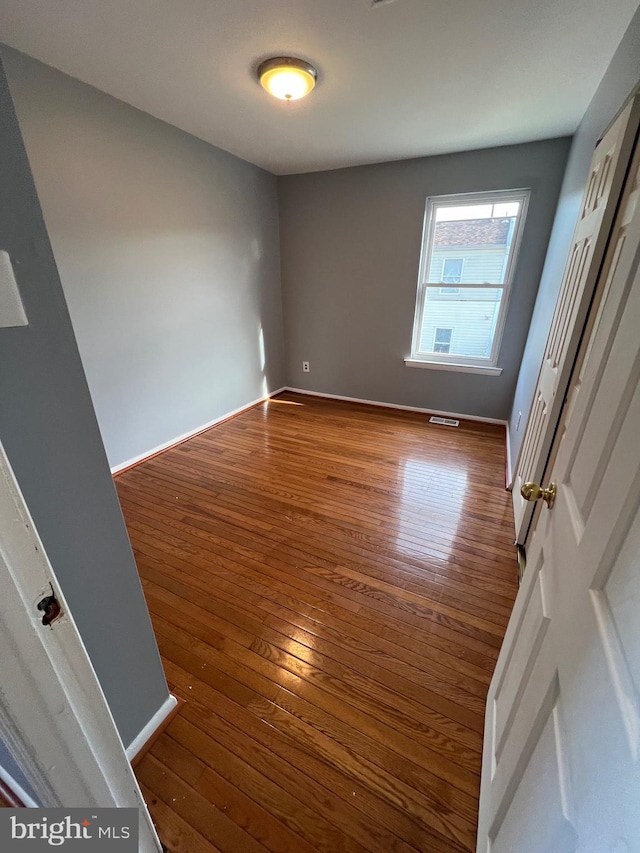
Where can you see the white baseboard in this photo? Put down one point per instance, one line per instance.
(179, 439)
(396, 406)
(152, 726)
(509, 468)
(155, 450)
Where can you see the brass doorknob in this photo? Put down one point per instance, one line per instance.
(534, 492)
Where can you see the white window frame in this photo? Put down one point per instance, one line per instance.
(448, 361)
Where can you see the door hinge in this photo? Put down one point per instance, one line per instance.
(522, 561)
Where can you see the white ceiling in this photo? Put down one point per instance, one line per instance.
(405, 79)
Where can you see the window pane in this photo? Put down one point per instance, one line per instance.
(467, 269)
(463, 211)
(472, 243)
(463, 324)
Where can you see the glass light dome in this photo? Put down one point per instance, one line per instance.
(287, 78)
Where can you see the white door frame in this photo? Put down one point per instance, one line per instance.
(54, 717)
(560, 763)
(584, 264)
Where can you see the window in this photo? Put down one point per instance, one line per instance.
(471, 242)
(442, 340)
(452, 270)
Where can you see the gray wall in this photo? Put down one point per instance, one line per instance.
(621, 77)
(49, 431)
(350, 248)
(168, 254)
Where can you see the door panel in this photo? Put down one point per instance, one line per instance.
(608, 169)
(561, 768)
(537, 697)
(617, 605)
(530, 633)
(539, 790)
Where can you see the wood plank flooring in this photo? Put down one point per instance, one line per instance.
(329, 584)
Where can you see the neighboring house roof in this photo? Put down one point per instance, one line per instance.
(472, 232)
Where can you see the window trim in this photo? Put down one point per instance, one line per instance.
(454, 366)
(487, 364)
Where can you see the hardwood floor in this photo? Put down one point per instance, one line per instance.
(8, 798)
(329, 584)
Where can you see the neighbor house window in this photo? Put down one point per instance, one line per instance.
(452, 270)
(469, 252)
(442, 340)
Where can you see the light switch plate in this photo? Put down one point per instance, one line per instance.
(12, 311)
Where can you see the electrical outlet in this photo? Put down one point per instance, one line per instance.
(305, 367)
(518, 421)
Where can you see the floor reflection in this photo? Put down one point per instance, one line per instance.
(433, 494)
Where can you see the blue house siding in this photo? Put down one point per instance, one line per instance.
(471, 314)
(479, 265)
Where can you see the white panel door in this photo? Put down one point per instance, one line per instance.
(606, 177)
(561, 767)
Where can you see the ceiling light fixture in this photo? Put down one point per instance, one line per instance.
(287, 78)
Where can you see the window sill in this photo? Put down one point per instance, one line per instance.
(459, 368)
